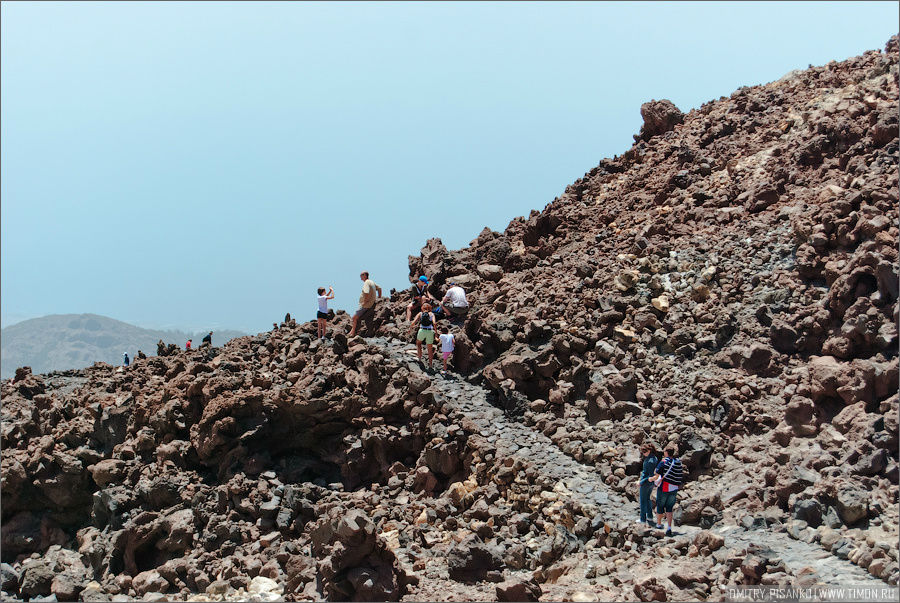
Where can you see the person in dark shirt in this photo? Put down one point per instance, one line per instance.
(420, 294)
(207, 340)
(645, 483)
(671, 472)
(125, 358)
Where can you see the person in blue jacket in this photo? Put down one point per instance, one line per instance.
(648, 468)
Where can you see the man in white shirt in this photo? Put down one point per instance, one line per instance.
(454, 301)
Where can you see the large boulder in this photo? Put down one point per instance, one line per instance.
(355, 563)
(660, 116)
(490, 272)
(515, 589)
(58, 571)
(472, 560)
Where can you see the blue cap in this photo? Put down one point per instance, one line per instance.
(424, 279)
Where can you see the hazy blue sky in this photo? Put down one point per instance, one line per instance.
(208, 164)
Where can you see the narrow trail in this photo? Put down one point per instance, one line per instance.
(461, 399)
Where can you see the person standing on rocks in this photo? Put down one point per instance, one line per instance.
(207, 340)
(425, 322)
(668, 477)
(366, 302)
(187, 344)
(419, 294)
(448, 343)
(645, 483)
(322, 312)
(125, 358)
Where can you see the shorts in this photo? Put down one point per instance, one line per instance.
(458, 310)
(665, 501)
(446, 354)
(364, 313)
(426, 335)
(322, 315)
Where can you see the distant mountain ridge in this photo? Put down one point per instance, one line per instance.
(69, 341)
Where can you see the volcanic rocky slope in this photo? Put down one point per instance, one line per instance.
(729, 284)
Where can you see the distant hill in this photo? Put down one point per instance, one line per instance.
(68, 341)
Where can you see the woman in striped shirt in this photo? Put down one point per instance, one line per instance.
(671, 471)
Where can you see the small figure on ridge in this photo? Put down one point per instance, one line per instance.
(322, 312)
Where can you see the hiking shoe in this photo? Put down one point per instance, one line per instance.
(651, 524)
(659, 526)
(669, 532)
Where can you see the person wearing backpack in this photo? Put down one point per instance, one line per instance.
(668, 478)
(645, 483)
(425, 322)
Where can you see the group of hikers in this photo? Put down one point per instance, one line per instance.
(163, 350)
(667, 476)
(205, 342)
(422, 314)
(428, 310)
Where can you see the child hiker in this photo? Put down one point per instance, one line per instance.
(448, 343)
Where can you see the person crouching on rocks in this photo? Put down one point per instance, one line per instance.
(425, 321)
(645, 483)
(454, 304)
(669, 477)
